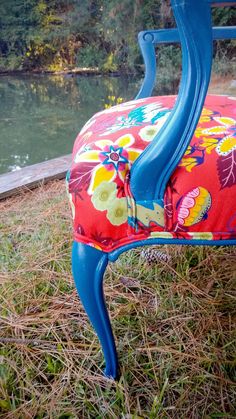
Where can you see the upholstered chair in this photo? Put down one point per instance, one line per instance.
(155, 170)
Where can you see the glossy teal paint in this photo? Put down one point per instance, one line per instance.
(88, 267)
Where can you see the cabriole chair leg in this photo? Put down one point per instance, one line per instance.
(88, 267)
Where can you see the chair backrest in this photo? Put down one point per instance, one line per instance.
(152, 170)
(149, 39)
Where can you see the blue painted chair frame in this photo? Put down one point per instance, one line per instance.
(149, 39)
(161, 157)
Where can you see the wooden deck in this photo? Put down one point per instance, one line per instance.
(31, 176)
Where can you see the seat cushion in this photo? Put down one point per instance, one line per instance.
(200, 198)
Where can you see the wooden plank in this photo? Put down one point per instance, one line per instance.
(31, 176)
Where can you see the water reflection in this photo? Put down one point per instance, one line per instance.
(40, 116)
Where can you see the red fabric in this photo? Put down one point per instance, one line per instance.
(200, 198)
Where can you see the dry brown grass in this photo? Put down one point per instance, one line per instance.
(174, 325)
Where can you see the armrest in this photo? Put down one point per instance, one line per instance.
(147, 41)
(152, 169)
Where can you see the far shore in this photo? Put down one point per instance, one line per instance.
(225, 80)
(85, 71)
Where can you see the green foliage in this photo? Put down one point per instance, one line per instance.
(111, 63)
(56, 35)
(224, 51)
(90, 56)
(37, 33)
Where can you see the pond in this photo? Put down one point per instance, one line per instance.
(41, 115)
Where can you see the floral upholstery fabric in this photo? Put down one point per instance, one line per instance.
(200, 198)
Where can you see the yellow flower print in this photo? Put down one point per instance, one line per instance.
(188, 151)
(161, 235)
(117, 212)
(225, 125)
(103, 195)
(226, 146)
(150, 131)
(205, 115)
(153, 214)
(209, 144)
(199, 132)
(113, 158)
(189, 163)
(228, 127)
(202, 236)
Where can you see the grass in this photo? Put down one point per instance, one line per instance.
(174, 325)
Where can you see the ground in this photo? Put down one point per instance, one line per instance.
(174, 324)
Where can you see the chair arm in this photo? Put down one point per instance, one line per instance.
(151, 171)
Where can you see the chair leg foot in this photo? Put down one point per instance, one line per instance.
(88, 267)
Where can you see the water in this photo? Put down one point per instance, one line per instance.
(40, 116)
